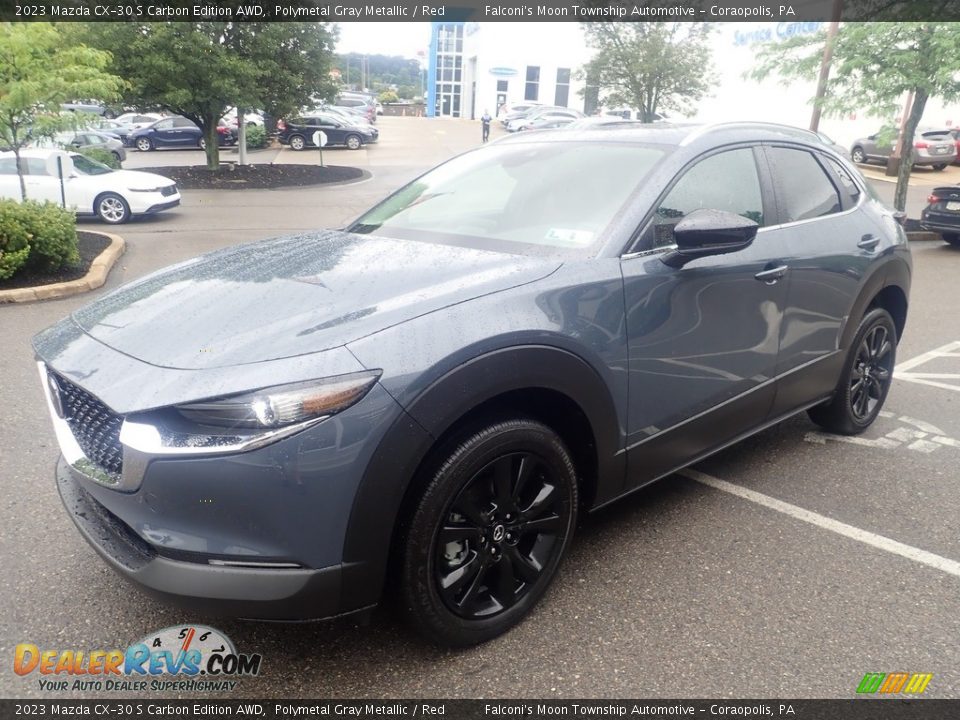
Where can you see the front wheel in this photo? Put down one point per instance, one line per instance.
(113, 209)
(865, 380)
(202, 143)
(858, 156)
(354, 142)
(488, 533)
(951, 238)
(940, 166)
(144, 144)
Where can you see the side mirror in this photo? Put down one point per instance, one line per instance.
(709, 232)
(871, 137)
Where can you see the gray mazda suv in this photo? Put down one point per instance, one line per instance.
(421, 405)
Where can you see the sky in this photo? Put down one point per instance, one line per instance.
(384, 38)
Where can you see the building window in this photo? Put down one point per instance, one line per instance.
(562, 96)
(502, 85)
(449, 69)
(532, 90)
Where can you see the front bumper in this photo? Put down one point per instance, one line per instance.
(261, 593)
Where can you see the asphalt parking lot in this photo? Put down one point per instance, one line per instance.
(787, 566)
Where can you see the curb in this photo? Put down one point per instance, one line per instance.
(95, 277)
(923, 235)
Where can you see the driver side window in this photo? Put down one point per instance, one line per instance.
(725, 181)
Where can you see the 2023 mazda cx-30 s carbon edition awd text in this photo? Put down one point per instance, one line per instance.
(422, 404)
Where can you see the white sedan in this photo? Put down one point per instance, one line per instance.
(90, 189)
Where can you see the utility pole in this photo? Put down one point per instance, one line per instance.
(832, 29)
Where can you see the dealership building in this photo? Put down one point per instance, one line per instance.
(473, 67)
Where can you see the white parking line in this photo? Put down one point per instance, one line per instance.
(903, 370)
(866, 537)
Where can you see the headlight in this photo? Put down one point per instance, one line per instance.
(284, 405)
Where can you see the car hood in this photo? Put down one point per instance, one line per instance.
(136, 180)
(292, 296)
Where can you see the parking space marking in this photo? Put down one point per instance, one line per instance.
(903, 371)
(938, 562)
(916, 438)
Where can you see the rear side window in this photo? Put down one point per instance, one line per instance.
(848, 183)
(725, 181)
(804, 190)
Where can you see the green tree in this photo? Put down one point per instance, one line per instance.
(38, 72)
(651, 66)
(875, 65)
(200, 70)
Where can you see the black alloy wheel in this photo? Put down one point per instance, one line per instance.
(489, 532)
(498, 537)
(866, 378)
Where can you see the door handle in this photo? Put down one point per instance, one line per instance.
(868, 243)
(771, 276)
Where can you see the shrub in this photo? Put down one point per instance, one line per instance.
(53, 236)
(37, 236)
(14, 239)
(101, 155)
(256, 137)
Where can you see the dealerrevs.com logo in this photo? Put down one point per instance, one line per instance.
(896, 683)
(189, 658)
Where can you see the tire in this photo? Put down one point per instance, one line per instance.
(297, 142)
(202, 143)
(111, 208)
(354, 142)
(940, 167)
(858, 156)
(865, 380)
(951, 238)
(116, 156)
(144, 144)
(511, 535)
(109, 114)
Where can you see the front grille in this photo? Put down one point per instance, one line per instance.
(95, 427)
(168, 190)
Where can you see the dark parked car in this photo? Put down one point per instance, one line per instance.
(298, 133)
(942, 213)
(933, 147)
(176, 132)
(527, 332)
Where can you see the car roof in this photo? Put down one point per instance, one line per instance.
(676, 134)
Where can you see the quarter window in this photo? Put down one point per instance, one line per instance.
(848, 183)
(726, 181)
(804, 191)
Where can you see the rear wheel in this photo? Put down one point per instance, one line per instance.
(202, 143)
(297, 142)
(489, 532)
(866, 378)
(940, 166)
(116, 156)
(858, 156)
(354, 142)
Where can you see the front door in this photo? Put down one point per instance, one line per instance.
(703, 339)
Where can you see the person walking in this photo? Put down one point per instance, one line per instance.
(485, 120)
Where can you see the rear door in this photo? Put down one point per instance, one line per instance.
(332, 128)
(832, 249)
(703, 339)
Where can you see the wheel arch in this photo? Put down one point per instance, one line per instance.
(548, 384)
(887, 287)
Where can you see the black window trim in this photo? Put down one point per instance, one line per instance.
(767, 197)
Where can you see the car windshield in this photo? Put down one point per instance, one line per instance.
(555, 195)
(83, 165)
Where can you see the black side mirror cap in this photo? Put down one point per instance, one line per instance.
(709, 232)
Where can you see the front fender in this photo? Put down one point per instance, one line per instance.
(436, 409)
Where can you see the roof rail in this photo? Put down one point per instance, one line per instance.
(710, 127)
